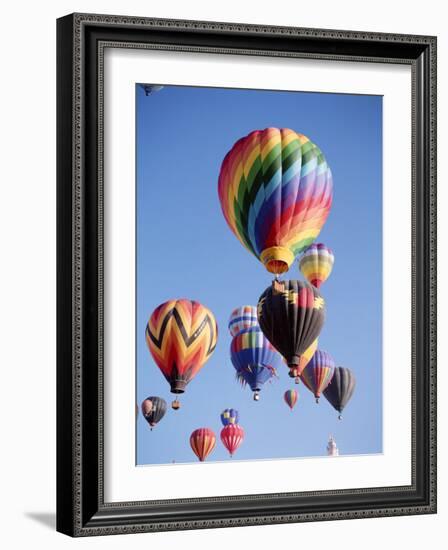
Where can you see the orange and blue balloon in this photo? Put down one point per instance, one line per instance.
(275, 188)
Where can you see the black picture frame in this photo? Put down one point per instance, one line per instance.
(81, 510)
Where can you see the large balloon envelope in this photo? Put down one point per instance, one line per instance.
(229, 416)
(291, 315)
(232, 436)
(153, 410)
(317, 374)
(275, 189)
(340, 389)
(181, 336)
(202, 441)
(316, 264)
(241, 318)
(254, 358)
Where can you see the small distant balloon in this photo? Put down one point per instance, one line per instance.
(340, 389)
(229, 416)
(316, 264)
(232, 436)
(291, 397)
(242, 318)
(202, 441)
(153, 410)
(317, 374)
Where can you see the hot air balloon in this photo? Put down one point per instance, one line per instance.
(181, 336)
(291, 397)
(232, 436)
(317, 374)
(229, 416)
(316, 264)
(305, 358)
(340, 389)
(275, 189)
(202, 441)
(254, 358)
(291, 315)
(153, 410)
(241, 318)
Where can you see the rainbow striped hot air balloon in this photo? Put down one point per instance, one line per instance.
(316, 264)
(276, 190)
(318, 373)
(291, 397)
(181, 336)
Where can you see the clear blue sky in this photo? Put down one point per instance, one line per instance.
(185, 249)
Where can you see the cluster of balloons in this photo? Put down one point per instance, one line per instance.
(276, 189)
(203, 440)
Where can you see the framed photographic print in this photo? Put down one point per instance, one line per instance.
(246, 275)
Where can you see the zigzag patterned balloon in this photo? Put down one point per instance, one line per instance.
(181, 336)
(276, 190)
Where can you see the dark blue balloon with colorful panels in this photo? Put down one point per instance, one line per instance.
(254, 358)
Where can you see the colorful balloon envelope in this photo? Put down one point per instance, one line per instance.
(181, 336)
(291, 315)
(202, 441)
(291, 397)
(254, 358)
(232, 436)
(305, 358)
(317, 374)
(340, 389)
(153, 410)
(241, 318)
(316, 264)
(229, 416)
(276, 190)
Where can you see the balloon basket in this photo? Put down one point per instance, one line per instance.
(256, 396)
(175, 405)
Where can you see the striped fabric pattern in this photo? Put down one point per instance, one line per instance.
(291, 397)
(316, 264)
(181, 336)
(241, 318)
(232, 436)
(318, 373)
(276, 190)
(202, 441)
